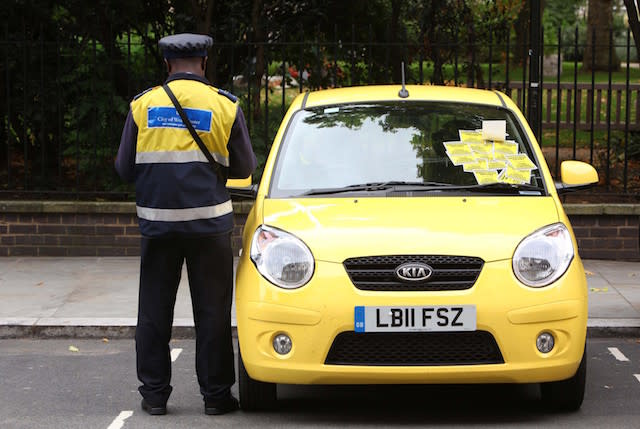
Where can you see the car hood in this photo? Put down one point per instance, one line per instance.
(339, 228)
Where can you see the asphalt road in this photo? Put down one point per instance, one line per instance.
(47, 384)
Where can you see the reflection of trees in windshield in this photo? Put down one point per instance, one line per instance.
(351, 117)
(430, 124)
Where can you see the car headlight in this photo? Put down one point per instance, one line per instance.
(544, 256)
(281, 258)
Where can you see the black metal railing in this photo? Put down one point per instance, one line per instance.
(64, 102)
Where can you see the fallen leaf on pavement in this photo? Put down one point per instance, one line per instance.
(596, 289)
(105, 340)
(589, 273)
(73, 349)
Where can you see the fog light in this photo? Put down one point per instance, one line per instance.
(545, 342)
(282, 344)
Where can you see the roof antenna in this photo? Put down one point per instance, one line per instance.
(403, 93)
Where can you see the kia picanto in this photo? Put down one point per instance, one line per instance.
(410, 235)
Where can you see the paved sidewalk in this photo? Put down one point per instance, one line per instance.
(92, 297)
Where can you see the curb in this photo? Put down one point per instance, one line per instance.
(113, 328)
(85, 332)
(606, 328)
(183, 329)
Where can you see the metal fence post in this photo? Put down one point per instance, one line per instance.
(301, 60)
(265, 56)
(8, 95)
(593, 95)
(41, 97)
(490, 55)
(249, 70)
(284, 71)
(60, 106)
(507, 61)
(24, 105)
(575, 91)
(610, 65)
(455, 64)
(534, 77)
(558, 104)
(626, 114)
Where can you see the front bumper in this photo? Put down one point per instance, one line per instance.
(316, 313)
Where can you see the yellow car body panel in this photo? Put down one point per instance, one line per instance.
(337, 228)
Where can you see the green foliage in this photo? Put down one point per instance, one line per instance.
(633, 148)
(560, 14)
(73, 66)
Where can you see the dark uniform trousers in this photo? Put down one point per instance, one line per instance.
(210, 271)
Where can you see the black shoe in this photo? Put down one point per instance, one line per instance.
(154, 410)
(223, 406)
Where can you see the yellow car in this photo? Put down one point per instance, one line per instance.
(410, 235)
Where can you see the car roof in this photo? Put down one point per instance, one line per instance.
(373, 93)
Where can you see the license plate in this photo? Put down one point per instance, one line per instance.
(415, 318)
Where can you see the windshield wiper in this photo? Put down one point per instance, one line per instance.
(375, 186)
(502, 188)
(397, 185)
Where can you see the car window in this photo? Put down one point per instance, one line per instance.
(333, 147)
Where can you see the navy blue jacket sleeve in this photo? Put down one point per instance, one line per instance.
(126, 159)
(242, 160)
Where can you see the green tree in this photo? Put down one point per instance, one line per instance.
(559, 14)
(600, 21)
(634, 23)
(463, 28)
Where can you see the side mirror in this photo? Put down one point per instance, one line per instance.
(242, 188)
(576, 175)
(239, 183)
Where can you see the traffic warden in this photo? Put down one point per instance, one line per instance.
(185, 213)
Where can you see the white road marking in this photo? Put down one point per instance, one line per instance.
(119, 421)
(618, 354)
(637, 376)
(175, 353)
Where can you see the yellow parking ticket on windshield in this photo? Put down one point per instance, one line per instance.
(524, 176)
(496, 164)
(486, 177)
(498, 156)
(457, 148)
(470, 136)
(506, 147)
(511, 181)
(520, 162)
(478, 164)
(462, 159)
(481, 148)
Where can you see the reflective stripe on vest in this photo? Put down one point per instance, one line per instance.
(178, 157)
(183, 215)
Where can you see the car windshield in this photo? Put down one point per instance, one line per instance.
(406, 148)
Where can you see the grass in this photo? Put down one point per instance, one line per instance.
(498, 73)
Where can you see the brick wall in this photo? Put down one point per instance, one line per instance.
(607, 231)
(44, 228)
(35, 228)
(68, 234)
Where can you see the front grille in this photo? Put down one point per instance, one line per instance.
(414, 349)
(377, 273)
